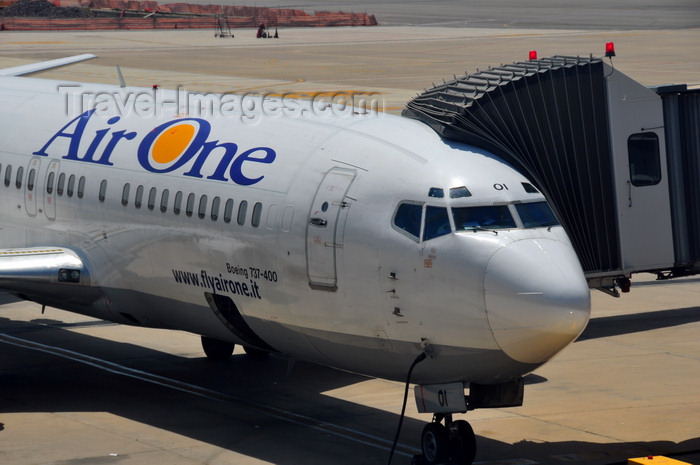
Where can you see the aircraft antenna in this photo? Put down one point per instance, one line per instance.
(122, 83)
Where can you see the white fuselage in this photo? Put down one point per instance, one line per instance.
(295, 218)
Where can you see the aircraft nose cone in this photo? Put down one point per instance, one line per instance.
(537, 299)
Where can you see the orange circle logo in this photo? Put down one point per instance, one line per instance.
(172, 143)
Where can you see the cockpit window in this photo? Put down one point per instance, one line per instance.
(459, 192)
(536, 215)
(436, 192)
(408, 217)
(490, 217)
(529, 188)
(437, 223)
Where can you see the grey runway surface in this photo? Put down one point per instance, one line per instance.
(79, 391)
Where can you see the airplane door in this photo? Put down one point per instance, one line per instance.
(30, 187)
(50, 190)
(324, 233)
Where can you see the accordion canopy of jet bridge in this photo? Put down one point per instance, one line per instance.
(682, 129)
(549, 119)
(590, 138)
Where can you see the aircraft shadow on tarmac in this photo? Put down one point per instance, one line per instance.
(257, 416)
(627, 324)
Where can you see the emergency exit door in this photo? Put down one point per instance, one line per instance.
(30, 187)
(324, 233)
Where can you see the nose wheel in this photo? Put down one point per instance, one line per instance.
(451, 443)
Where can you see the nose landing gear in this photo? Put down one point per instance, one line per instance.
(452, 443)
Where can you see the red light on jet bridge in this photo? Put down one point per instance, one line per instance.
(610, 49)
(533, 54)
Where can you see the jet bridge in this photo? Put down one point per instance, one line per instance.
(618, 162)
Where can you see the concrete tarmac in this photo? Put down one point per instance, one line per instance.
(79, 391)
(74, 390)
(392, 64)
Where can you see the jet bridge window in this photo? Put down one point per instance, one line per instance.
(644, 159)
(536, 215)
(407, 219)
(488, 217)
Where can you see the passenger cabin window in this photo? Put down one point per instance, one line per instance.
(202, 212)
(489, 217)
(242, 210)
(138, 199)
(536, 215)
(164, 200)
(257, 214)
(30, 179)
(71, 186)
(8, 175)
(189, 208)
(408, 218)
(18, 179)
(152, 198)
(215, 204)
(228, 211)
(103, 191)
(125, 194)
(49, 182)
(437, 223)
(177, 206)
(61, 183)
(644, 159)
(81, 187)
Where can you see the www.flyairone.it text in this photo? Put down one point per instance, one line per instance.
(218, 284)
